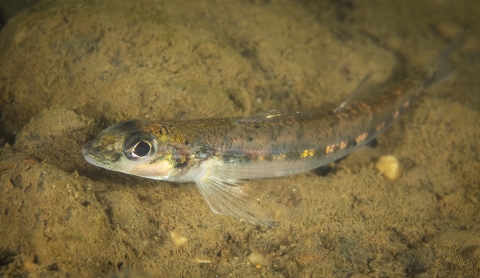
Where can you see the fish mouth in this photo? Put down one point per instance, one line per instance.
(88, 154)
(92, 158)
(86, 149)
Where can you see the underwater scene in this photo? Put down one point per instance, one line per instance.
(246, 138)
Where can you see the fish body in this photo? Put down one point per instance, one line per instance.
(218, 153)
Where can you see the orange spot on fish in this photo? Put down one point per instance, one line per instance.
(279, 157)
(307, 153)
(380, 126)
(343, 115)
(329, 149)
(361, 137)
(395, 115)
(419, 90)
(343, 145)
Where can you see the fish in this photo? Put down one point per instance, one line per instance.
(219, 154)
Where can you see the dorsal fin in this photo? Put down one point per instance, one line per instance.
(275, 116)
(355, 95)
(207, 110)
(271, 115)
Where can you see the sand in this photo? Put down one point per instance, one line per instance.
(71, 68)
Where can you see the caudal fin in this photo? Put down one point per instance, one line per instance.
(442, 68)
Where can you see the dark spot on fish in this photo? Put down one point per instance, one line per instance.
(163, 130)
(181, 161)
(373, 143)
(85, 203)
(226, 159)
(115, 157)
(300, 134)
(268, 158)
(246, 159)
(186, 142)
(181, 165)
(249, 139)
(152, 161)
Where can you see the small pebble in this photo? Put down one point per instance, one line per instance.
(258, 260)
(177, 239)
(389, 166)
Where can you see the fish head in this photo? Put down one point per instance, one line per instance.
(129, 147)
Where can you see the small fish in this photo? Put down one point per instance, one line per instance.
(218, 153)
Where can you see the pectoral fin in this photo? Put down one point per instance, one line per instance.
(261, 202)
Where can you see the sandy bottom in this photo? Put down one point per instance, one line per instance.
(71, 68)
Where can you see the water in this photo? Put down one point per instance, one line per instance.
(71, 68)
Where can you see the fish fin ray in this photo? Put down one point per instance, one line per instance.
(441, 68)
(232, 198)
(359, 91)
(274, 116)
(250, 200)
(211, 110)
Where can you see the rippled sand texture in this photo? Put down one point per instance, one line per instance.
(71, 68)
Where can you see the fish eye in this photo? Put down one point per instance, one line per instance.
(141, 149)
(139, 146)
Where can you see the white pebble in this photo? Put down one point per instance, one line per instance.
(257, 259)
(389, 166)
(178, 240)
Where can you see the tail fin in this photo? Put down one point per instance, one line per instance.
(441, 68)
(437, 71)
